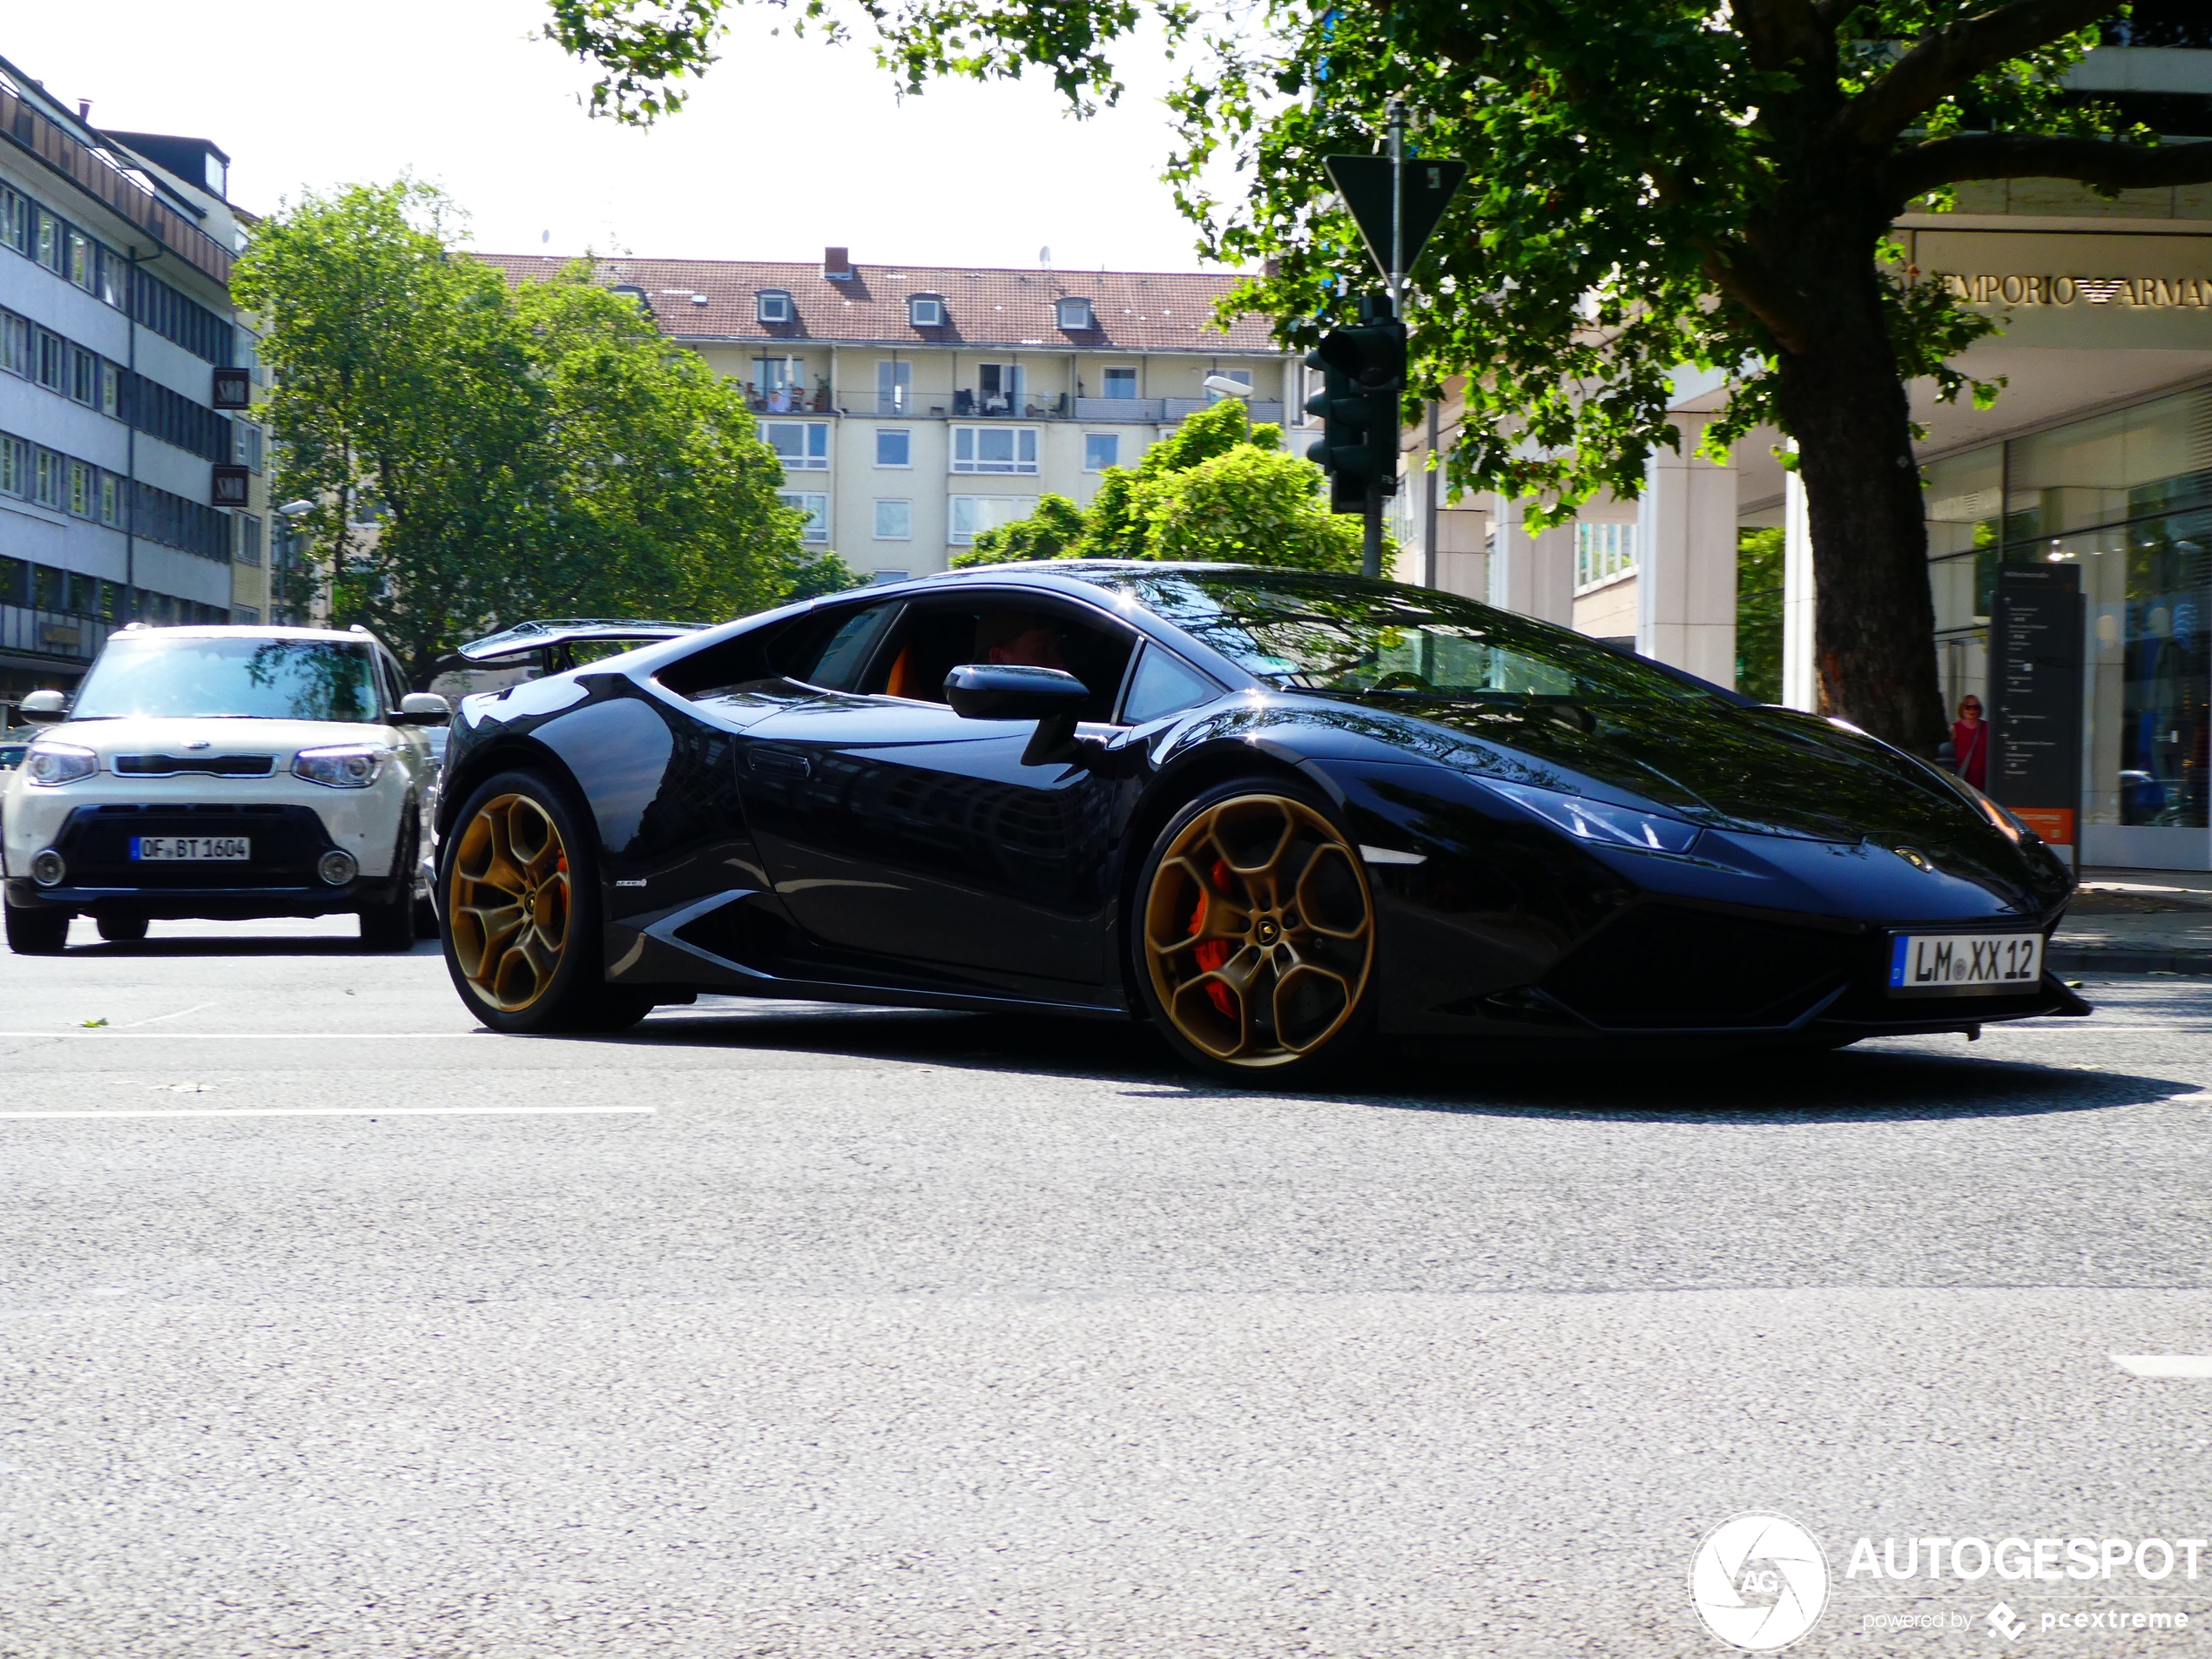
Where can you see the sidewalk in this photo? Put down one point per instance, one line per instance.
(2136, 921)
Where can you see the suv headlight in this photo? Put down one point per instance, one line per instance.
(52, 764)
(1601, 822)
(346, 766)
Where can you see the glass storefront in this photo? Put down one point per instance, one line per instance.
(2127, 496)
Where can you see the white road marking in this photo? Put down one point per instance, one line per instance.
(360, 1111)
(2195, 1365)
(179, 1015)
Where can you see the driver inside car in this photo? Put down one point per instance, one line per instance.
(1018, 637)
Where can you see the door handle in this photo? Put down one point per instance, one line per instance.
(778, 763)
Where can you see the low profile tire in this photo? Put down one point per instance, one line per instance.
(389, 923)
(522, 926)
(121, 930)
(1255, 935)
(37, 933)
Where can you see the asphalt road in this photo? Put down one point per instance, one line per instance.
(330, 1326)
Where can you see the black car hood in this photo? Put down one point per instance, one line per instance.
(1758, 768)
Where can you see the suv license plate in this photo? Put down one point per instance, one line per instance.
(1964, 964)
(190, 849)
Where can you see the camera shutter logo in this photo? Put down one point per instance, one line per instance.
(1759, 1581)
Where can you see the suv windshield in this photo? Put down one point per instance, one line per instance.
(254, 679)
(1324, 634)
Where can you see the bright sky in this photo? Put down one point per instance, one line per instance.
(785, 146)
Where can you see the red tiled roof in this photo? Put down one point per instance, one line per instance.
(1134, 310)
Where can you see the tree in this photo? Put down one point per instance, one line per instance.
(1217, 488)
(1653, 183)
(478, 453)
(1758, 613)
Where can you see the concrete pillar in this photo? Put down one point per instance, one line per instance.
(1533, 575)
(1800, 676)
(1686, 560)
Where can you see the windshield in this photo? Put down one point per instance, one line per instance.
(256, 679)
(1325, 634)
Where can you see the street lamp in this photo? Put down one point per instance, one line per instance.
(1226, 386)
(294, 508)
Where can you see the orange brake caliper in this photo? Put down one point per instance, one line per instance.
(1213, 953)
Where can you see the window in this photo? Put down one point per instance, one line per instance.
(894, 447)
(18, 353)
(1000, 386)
(247, 439)
(112, 273)
(894, 521)
(925, 311)
(15, 219)
(49, 251)
(1075, 315)
(894, 387)
(995, 449)
(1121, 382)
(110, 500)
(1603, 552)
(111, 390)
(802, 445)
(1242, 376)
(53, 361)
(834, 658)
(1102, 450)
(83, 375)
(815, 506)
(46, 479)
(84, 494)
(249, 539)
(82, 265)
(246, 615)
(771, 305)
(1164, 685)
(973, 512)
(15, 465)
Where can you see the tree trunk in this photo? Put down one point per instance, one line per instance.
(1874, 622)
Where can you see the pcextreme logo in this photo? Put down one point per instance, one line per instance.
(1759, 1581)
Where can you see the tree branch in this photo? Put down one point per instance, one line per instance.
(1946, 60)
(1781, 32)
(2104, 162)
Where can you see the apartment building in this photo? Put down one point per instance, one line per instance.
(131, 474)
(916, 405)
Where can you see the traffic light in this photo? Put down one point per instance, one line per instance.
(1363, 371)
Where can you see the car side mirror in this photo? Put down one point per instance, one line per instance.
(44, 708)
(424, 708)
(1014, 691)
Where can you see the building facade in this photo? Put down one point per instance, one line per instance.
(131, 474)
(916, 405)
(2098, 453)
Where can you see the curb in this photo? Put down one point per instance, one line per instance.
(2059, 958)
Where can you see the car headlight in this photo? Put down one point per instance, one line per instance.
(1601, 822)
(52, 764)
(346, 766)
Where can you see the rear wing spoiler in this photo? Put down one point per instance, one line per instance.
(554, 641)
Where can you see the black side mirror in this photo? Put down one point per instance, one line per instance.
(1014, 691)
(1051, 697)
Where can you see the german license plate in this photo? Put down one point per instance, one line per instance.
(1964, 964)
(191, 849)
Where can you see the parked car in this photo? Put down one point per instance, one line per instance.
(1269, 812)
(222, 772)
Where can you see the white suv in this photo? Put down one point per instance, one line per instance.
(223, 772)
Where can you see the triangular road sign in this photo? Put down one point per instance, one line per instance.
(1364, 182)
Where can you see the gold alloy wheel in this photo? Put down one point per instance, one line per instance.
(510, 902)
(1259, 931)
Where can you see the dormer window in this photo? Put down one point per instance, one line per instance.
(925, 311)
(633, 292)
(1075, 315)
(771, 305)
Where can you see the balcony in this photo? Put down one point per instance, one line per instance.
(1159, 411)
(968, 404)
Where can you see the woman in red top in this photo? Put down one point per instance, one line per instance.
(1970, 742)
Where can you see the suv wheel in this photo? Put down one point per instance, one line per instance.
(37, 933)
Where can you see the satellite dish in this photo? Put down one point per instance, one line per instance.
(1044, 258)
